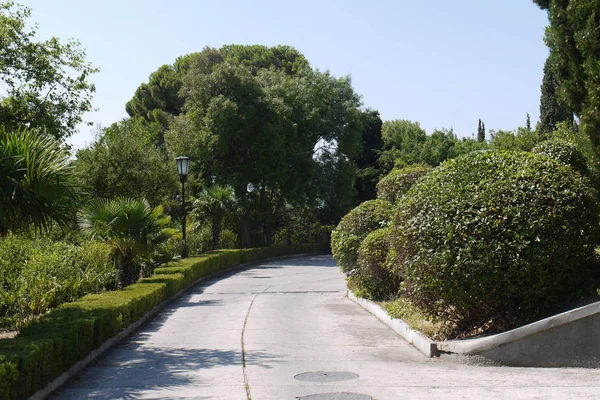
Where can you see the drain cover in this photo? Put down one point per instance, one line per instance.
(322, 376)
(336, 396)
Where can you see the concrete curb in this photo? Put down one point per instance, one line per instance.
(484, 344)
(81, 364)
(416, 338)
(568, 339)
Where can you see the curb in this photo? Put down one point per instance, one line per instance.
(484, 344)
(81, 364)
(416, 338)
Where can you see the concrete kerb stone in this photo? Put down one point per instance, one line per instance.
(563, 340)
(81, 364)
(416, 338)
(481, 345)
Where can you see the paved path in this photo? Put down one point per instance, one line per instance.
(293, 318)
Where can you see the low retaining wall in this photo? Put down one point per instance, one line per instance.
(569, 339)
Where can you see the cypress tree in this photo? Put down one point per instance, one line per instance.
(481, 132)
(551, 111)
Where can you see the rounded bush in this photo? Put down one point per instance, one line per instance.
(371, 278)
(399, 181)
(354, 227)
(494, 239)
(565, 152)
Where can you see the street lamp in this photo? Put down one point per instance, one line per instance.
(183, 164)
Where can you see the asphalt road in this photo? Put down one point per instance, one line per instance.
(251, 335)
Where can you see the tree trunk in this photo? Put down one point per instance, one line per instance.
(216, 233)
(245, 233)
(127, 273)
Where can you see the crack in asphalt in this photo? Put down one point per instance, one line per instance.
(246, 383)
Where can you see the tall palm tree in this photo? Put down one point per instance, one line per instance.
(212, 205)
(131, 226)
(35, 181)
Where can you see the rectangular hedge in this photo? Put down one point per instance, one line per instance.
(51, 345)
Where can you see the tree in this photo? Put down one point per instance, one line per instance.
(159, 99)
(551, 111)
(213, 204)
(124, 162)
(403, 140)
(368, 172)
(131, 226)
(46, 83)
(481, 132)
(573, 37)
(528, 123)
(257, 119)
(36, 181)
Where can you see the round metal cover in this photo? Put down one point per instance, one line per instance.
(322, 376)
(336, 396)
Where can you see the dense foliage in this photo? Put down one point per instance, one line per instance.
(372, 277)
(573, 39)
(354, 227)
(38, 274)
(551, 111)
(36, 185)
(132, 227)
(45, 84)
(395, 184)
(494, 239)
(125, 162)
(564, 151)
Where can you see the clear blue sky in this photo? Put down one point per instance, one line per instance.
(442, 63)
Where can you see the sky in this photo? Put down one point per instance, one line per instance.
(445, 64)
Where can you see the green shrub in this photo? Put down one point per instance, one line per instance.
(49, 346)
(372, 278)
(565, 152)
(495, 239)
(399, 181)
(301, 233)
(200, 241)
(229, 240)
(354, 227)
(36, 275)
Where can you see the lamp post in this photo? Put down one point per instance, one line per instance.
(183, 164)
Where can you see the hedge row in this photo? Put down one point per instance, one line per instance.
(50, 346)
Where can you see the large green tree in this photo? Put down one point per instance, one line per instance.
(403, 140)
(551, 111)
(574, 40)
(45, 83)
(124, 162)
(258, 119)
(368, 173)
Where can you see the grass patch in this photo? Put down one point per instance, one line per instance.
(417, 319)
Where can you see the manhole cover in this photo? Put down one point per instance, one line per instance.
(322, 376)
(336, 396)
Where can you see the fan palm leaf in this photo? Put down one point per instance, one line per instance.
(35, 181)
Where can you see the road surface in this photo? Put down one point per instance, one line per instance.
(252, 334)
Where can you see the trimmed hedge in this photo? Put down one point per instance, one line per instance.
(51, 345)
(354, 227)
(565, 152)
(399, 181)
(372, 278)
(496, 239)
